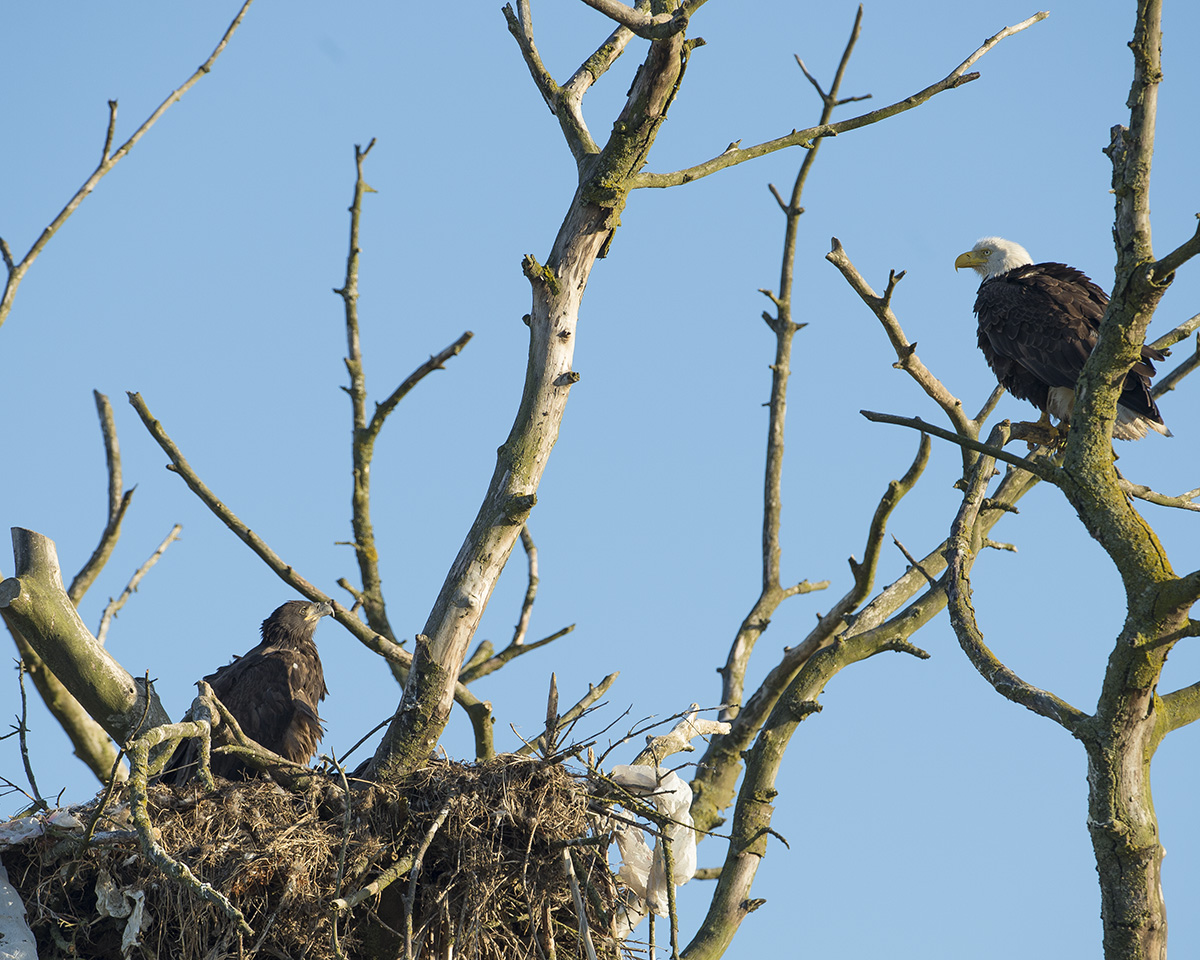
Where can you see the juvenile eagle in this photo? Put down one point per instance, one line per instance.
(272, 691)
(1038, 324)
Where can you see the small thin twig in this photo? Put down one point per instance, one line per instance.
(531, 555)
(118, 503)
(341, 874)
(114, 606)
(585, 932)
(473, 671)
(38, 801)
(436, 361)
(17, 271)
(411, 894)
(594, 693)
(1040, 468)
(915, 563)
(1184, 501)
(669, 869)
(906, 356)
(366, 736)
(806, 137)
(1169, 381)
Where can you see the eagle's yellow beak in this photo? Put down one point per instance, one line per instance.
(972, 258)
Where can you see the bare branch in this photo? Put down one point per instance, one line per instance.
(754, 809)
(362, 441)
(557, 289)
(592, 69)
(594, 693)
(531, 556)
(473, 672)
(381, 645)
(521, 27)
(1181, 707)
(906, 352)
(785, 328)
(989, 405)
(1178, 334)
(113, 606)
(960, 555)
(719, 767)
(38, 802)
(139, 754)
(957, 77)
(436, 361)
(679, 738)
(118, 503)
(16, 272)
(566, 103)
(1037, 465)
(1164, 268)
(1170, 381)
(112, 129)
(1183, 501)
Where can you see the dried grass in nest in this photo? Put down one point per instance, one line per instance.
(492, 883)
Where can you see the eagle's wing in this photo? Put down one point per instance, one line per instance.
(1045, 323)
(264, 690)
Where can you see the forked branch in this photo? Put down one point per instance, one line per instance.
(108, 160)
(960, 555)
(800, 138)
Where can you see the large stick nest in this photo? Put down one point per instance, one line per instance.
(492, 884)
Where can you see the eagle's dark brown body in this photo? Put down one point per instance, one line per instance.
(273, 690)
(1038, 324)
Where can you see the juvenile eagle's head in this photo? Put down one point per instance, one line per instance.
(295, 622)
(992, 256)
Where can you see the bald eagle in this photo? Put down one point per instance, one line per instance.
(272, 691)
(1038, 324)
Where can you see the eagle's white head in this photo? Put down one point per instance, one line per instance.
(992, 256)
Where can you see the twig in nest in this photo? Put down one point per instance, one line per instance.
(341, 871)
(411, 896)
(585, 932)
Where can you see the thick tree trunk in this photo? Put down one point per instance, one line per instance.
(1125, 839)
(558, 288)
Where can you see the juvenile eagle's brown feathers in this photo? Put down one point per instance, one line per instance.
(273, 690)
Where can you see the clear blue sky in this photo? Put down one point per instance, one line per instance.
(927, 817)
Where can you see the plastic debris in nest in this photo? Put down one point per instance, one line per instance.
(644, 871)
(120, 902)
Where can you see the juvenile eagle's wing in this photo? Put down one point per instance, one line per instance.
(266, 691)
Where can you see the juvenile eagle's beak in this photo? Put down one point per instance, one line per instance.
(972, 258)
(316, 611)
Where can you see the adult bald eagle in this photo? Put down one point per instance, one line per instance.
(1038, 324)
(272, 691)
